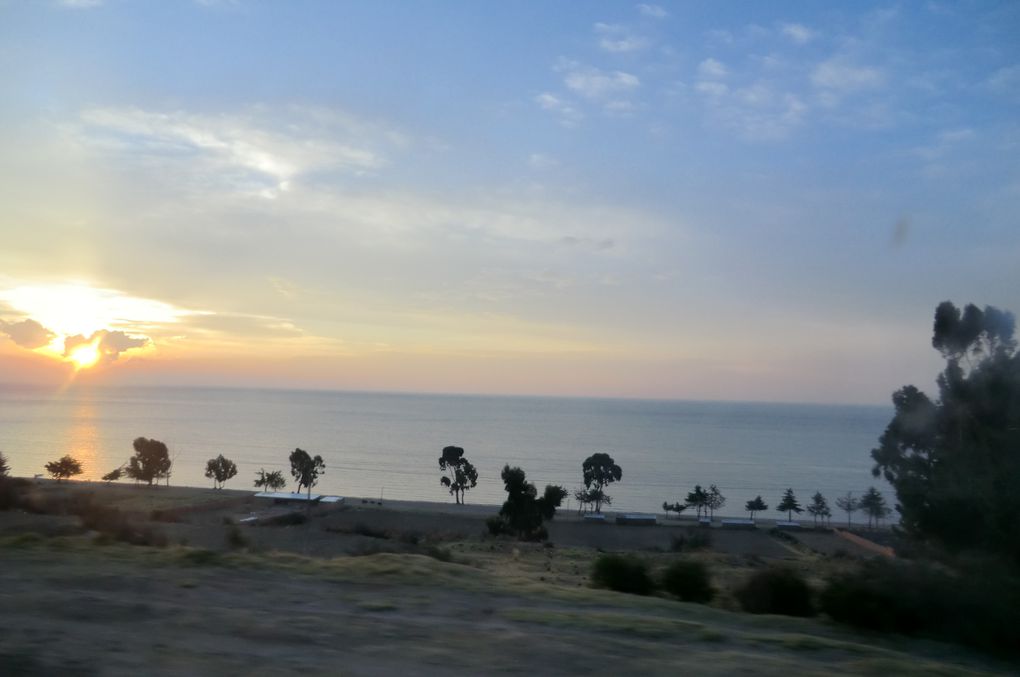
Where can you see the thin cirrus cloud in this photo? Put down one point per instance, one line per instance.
(593, 83)
(252, 152)
(618, 39)
(798, 33)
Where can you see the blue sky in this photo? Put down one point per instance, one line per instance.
(699, 200)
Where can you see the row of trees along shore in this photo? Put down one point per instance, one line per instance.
(707, 501)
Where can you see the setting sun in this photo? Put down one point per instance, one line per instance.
(84, 356)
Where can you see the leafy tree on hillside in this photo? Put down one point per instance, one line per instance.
(586, 499)
(599, 471)
(269, 481)
(219, 470)
(848, 504)
(150, 462)
(873, 505)
(461, 474)
(789, 505)
(819, 507)
(954, 461)
(757, 505)
(4, 468)
(63, 468)
(522, 512)
(714, 500)
(306, 469)
(698, 499)
(113, 475)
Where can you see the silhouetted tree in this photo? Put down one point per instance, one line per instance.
(757, 505)
(789, 505)
(848, 504)
(874, 506)
(150, 462)
(113, 475)
(4, 468)
(551, 499)
(677, 507)
(219, 470)
(269, 481)
(714, 500)
(461, 474)
(306, 469)
(586, 499)
(64, 468)
(698, 499)
(954, 462)
(522, 512)
(599, 471)
(819, 507)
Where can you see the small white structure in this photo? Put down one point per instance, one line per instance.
(788, 525)
(636, 519)
(737, 523)
(597, 518)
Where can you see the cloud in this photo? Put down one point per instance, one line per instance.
(710, 69)
(110, 344)
(27, 333)
(839, 76)
(255, 152)
(541, 161)
(798, 33)
(592, 83)
(617, 39)
(757, 112)
(652, 11)
(569, 116)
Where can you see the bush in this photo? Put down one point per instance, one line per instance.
(235, 538)
(689, 581)
(692, 539)
(777, 590)
(622, 574)
(981, 610)
(363, 529)
(495, 525)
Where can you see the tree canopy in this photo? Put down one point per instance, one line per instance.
(461, 475)
(848, 504)
(819, 507)
(598, 471)
(789, 505)
(306, 469)
(954, 462)
(270, 481)
(150, 462)
(4, 468)
(64, 468)
(698, 499)
(523, 511)
(757, 505)
(874, 506)
(219, 470)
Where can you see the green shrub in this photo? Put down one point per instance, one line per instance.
(777, 590)
(689, 581)
(495, 525)
(622, 574)
(981, 609)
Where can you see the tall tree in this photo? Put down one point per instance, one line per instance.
(150, 462)
(219, 470)
(789, 505)
(874, 506)
(64, 468)
(4, 468)
(848, 504)
(461, 475)
(269, 481)
(714, 500)
(113, 475)
(306, 469)
(757, 505)
(523, 511)
(599, 471)
(698, 499)
(819, 507)
(954, 461)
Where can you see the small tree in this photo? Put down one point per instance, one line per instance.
(551, 499)
(4, 468)
(64, 468)
(150, 462)
(714, 500)
(677, 507)
(848, 504)
(219, 470)
(599, 471)
(789, 505)
(461, 474)
(113, 475)
(522, 512)
(819, 507)
(757, 505)
(306, 469)
(873, 505)
(698, 499)
(270, 481)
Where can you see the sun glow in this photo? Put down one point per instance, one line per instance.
(84, 356)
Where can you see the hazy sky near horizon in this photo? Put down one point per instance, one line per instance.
(751, 201)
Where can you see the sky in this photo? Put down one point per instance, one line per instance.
(696, 200)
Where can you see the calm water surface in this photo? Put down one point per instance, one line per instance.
(389, 443)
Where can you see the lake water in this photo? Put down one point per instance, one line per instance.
(389, 444)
